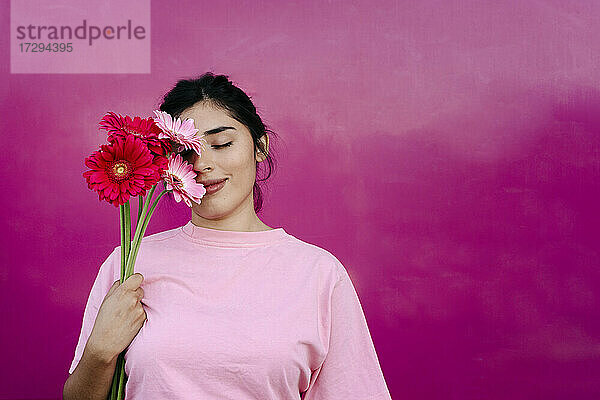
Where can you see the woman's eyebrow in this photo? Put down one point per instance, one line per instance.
(217, 130)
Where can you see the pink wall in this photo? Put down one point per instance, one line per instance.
(453, 147)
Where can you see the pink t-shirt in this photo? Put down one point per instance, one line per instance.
(242, 315)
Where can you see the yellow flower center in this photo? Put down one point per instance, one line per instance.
(121, 170)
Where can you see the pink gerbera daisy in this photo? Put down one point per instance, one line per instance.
(182, 132)
(181, 179)
(122, 169)
(146, 129)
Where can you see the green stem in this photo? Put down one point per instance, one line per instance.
(144, 224)
(127, 234)
(120, 393)
(130, 254)
(123, 254)
(117, 388)
(141, 204)
(151, 211)
(138, 234)
(113, 393)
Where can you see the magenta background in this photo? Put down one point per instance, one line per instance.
(454, 149)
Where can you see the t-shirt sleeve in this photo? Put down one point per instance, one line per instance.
(351, 369)
(104, 280)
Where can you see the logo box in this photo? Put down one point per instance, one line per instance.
(68, 36)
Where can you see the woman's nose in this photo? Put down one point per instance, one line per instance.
(203, 161)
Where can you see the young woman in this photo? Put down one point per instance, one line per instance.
(226, 307)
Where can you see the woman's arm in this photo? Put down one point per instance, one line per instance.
(92, 377)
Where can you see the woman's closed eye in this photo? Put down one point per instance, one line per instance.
(220, 146)
(216, 146)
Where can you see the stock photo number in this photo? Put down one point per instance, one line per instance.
(50, 47)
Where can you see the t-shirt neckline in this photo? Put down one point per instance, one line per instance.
(231, 238)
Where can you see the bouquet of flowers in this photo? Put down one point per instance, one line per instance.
(139, 155)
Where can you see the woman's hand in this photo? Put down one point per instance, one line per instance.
(120, 318)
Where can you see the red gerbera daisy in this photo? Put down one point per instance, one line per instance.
(146, 129)
(122, 169)
(160, 163)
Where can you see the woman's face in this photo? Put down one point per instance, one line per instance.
(229, 154)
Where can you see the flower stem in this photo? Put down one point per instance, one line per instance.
(138, 234)
(140, 206)
(115, 385)
(143, 224)
(120, 393)
(123, 251)
(127, 235)
(127, 262)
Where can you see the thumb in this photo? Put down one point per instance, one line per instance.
(134, 281)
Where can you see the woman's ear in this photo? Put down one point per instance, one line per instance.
(260, 156)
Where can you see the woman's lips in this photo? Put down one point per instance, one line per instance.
(210, 189)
